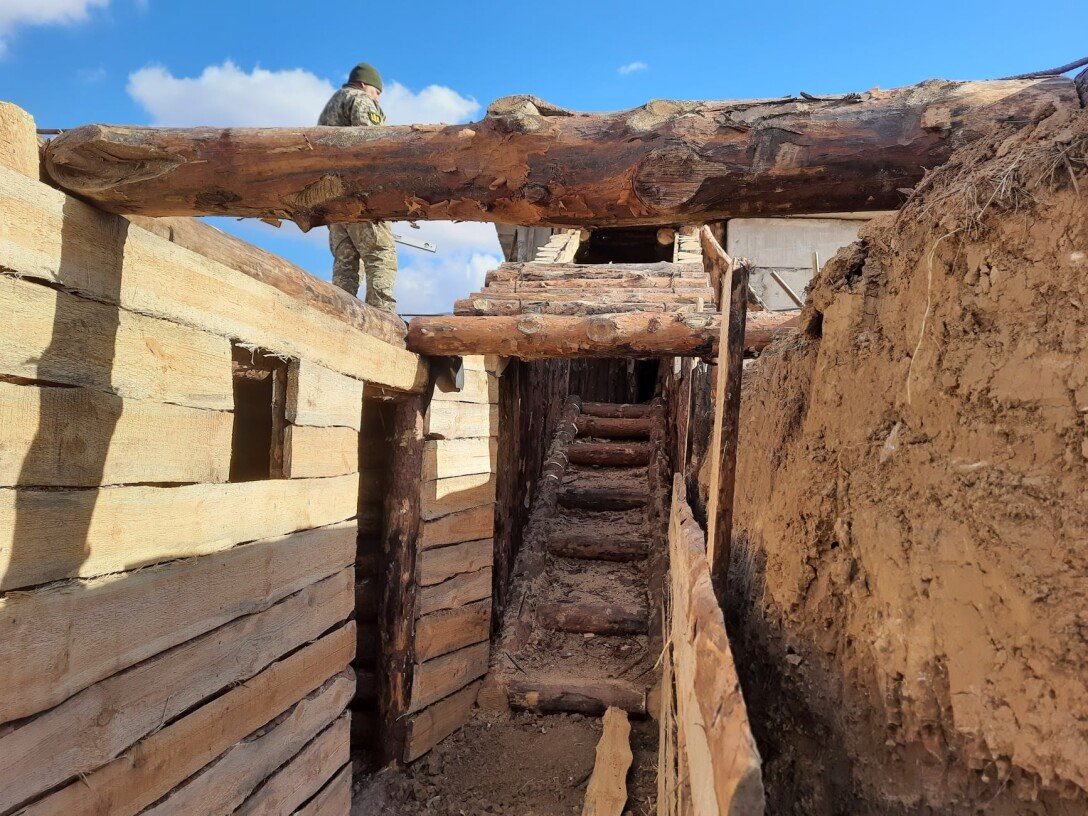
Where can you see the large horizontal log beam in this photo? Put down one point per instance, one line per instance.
(529, 162)
(631, 334)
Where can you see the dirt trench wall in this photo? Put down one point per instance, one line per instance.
(911, 566)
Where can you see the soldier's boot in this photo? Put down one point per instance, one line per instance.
(345, 258)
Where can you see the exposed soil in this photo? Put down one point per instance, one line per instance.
(520, 764)
(910, 576)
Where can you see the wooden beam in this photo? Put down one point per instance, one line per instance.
(400, 542)
(60, 639)
(607, 791)
(93, 726)
(732, 275)
(277, 272)
(530, 162)
(631, 334)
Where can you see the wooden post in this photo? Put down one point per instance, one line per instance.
(398, 604)
(733, 288)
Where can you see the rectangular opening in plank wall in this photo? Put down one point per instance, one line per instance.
(257, 436)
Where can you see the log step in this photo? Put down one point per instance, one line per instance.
(594, 617)
(599, 549)
(576, 695)
(613, 427)
(616, 409)
(602, 498)
(609, 454)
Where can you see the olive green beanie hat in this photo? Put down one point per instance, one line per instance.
(367, 74)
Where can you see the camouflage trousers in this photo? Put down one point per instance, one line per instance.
(372, 244)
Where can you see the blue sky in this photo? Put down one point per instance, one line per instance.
(197, 62)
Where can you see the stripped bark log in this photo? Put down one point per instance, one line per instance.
(614, 427)
(609, 454)
(602, 498)
(533, 163)
(616, 409)
(632, 334)
(597, 617)
(598, 549)
(580, 695)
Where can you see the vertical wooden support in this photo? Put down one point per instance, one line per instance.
(732, 277)
(400, 535)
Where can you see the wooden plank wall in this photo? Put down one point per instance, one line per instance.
(708, 761)
(455, 556)
(170, 642)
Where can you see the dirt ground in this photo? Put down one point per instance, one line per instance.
(910, 575)
(521, 764)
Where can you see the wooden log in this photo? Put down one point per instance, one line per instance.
(607, 791)
(530, 162)
(54, 238)
(229, 781)
(79, 437)
(447, 458)
(447, 630)
(602, 498)
(482, 306)
(332, 800)
(480, 386)
(310, 452)
(457, 591)
(632, 334)
(614, 427)
(320, 397)
(442, 676)
(304, 774)
(461, 420)
(60, 639)
(434, 723)
(733, 276)
(444, 496)
(93, 726)
(400, 544)
(616, 409)
(465, 525)
(279, 273)
(598, 548)
(441, 564)
(712, 720)
(156, 764)
(18, 141)
(577, 695)
(598, 617)
(54, 337)
(599, 294)
(534, 271)
(51, 535)
(609, 454)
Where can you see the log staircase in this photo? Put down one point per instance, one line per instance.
(576, 635)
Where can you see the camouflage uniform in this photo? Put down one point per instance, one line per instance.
(370, 242)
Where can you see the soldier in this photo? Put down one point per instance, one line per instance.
(356, 104)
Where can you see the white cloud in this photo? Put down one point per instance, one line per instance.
(631, 67)
(17, 13)
(90, 76)
(225, 95)
(228, 96)
(434, 103)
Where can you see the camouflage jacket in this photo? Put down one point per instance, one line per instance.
(350, 106)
